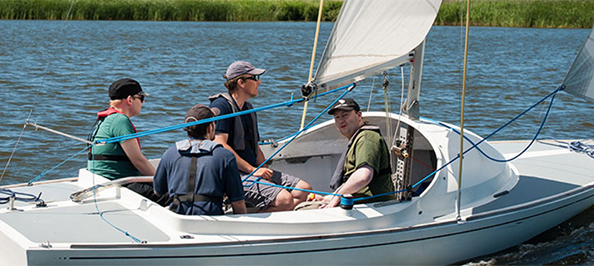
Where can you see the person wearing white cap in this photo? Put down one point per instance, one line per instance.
(240, 135)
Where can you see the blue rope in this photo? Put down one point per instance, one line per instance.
(58, 165)
(92, 170)
(554, 93)
(25, 197)
(481, 141)
(208, 120)
(351, 86)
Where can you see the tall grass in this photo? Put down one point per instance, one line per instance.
(520, 13)
(506, 13)
(171, 10)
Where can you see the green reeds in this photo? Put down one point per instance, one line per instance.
(171, 10)
(520, 13)
(503, 13)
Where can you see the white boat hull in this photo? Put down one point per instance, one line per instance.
(503, 205)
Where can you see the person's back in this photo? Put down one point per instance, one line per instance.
(197, 173)
(215, 175)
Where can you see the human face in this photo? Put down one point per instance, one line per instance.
(136, 101)
(251, 85)
(139, 96)
(347, 122)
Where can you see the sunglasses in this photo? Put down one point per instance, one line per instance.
(254, 78)
(139, 96)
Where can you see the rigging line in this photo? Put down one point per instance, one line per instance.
(38, 90)
(92, 170)
(371, 93)
(58, 165)
(313, 57)
(208, 120)
(458, 200)
(397, 131)
(553, 94)
(59, 133)
(351, 87)
(475, 145)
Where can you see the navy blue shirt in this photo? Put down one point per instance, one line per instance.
(227, 126)
(216, 175)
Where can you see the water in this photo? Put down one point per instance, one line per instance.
(57, 75)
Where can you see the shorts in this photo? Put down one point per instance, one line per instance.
(260, 196)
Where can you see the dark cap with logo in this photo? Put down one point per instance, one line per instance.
(123, 88)
(346, 104)
(239, 68)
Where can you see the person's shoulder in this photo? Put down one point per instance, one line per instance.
(170, 154)
(369, 135)
(221, 152)
(222, 104)
(118, 118)
(219, 101)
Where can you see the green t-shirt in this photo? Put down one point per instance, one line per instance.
(114, 125)
(369, 148)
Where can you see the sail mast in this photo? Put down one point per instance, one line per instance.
(458, 200)
(313, 58)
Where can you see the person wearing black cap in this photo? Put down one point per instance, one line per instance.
(124, 158)
(364, 169)
(240, 135)
(197, 172)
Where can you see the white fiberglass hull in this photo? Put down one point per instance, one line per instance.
(502, 205)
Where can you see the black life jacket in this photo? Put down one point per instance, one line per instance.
(238, 141)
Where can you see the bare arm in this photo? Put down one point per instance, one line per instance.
(239, 207)
(242, 165)
(132, 150)
(358, 180)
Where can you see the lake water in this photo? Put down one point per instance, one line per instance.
(57, 74)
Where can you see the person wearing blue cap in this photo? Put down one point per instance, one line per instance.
(240, 135)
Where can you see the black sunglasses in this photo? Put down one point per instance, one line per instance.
(139, 96)
(254, 78)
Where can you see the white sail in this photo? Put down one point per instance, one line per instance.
(371, 36)
(578, 80)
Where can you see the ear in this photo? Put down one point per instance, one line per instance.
(129, 100)
(241, 82)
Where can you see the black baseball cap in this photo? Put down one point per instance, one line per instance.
(346, 104)
(123, 88)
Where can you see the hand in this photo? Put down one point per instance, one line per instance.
(264, 173)
(332, 201)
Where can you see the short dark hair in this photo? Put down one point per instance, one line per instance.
(196, 113)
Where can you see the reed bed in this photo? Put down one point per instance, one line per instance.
(520, 13)
(171, 10)
(503, 13)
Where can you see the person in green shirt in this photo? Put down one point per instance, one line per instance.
(364, 169)
(123, 158)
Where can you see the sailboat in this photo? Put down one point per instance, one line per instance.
(503, 194)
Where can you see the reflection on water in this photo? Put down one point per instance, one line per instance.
(60, 80)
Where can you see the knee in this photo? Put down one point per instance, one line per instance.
(303, 185)
(284, 200)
